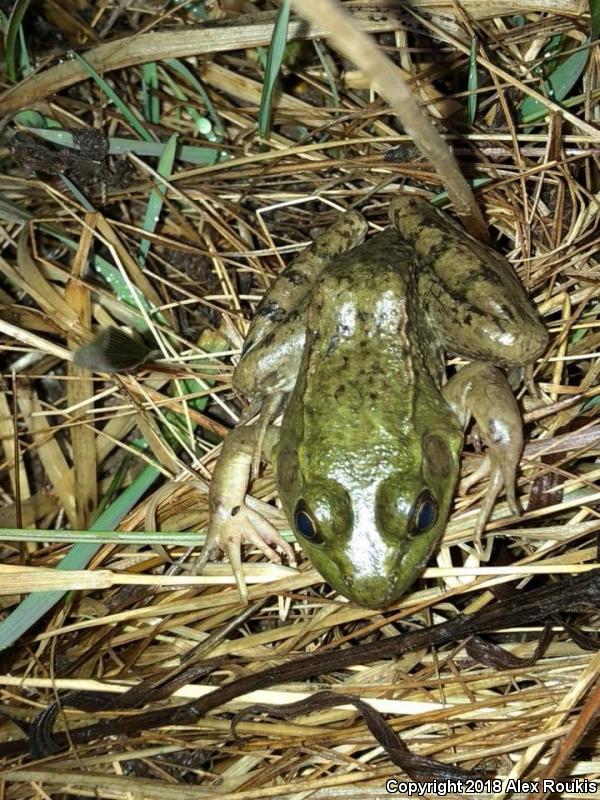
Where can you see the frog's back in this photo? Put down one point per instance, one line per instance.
(366, 302)
(370, 362)
(382, 255)
(361, 422)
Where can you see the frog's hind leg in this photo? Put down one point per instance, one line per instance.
(481, 390)
(290, 286)
(469, 292)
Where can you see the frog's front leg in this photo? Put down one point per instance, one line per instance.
(292, 284)
(232, 521)
(266, 373)
(482, 390)
(273, 347)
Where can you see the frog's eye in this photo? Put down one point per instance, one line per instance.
(425, 513)
(305, 523)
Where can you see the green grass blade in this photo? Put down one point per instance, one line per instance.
(119, 146)
(24, 62)
(155, 201)
(203, 124)
(557, 85)
(184, 72)
(150, 103)
(72, 537)
(77, 193)
(594, 19)
(110, 93)
(331, 79)
(552, 53)
(274, 60)
(30, 118)
(473, 83)
(12, 37)
(115, 484)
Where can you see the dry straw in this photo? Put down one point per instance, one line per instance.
(179, 248)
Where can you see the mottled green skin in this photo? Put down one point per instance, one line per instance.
(355, 432)
(349, 343)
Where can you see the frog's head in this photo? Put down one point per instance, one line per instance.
(368, 533)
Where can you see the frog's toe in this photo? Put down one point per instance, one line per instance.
(207, 554)
(265, 534)
(261, 534)
(232, 545)
(502, 475)
(481, 472)
(225, 533)
(242, 525)
(492, 493)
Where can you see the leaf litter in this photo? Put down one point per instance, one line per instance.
(83, 193)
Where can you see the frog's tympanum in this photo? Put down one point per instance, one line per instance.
(348, 345)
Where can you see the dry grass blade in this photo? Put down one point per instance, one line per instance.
(80, 390)
(48, 450)
(359, 48)
(177, 257)
(159, 46)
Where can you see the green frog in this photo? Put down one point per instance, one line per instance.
(347, 346)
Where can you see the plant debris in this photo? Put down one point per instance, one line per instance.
(137, 196)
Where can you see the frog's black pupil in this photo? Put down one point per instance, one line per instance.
(425, 517)
(305, 525)
(426, 513)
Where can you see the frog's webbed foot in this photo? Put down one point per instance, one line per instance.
(503, 474)
(230, 527)
(481, 390)
(232, 521)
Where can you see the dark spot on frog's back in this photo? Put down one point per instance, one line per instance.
(436, 251)
(339, 392)
(272, 310)
(507, 312)
(490, 275)
(332, 345)
(295, 277)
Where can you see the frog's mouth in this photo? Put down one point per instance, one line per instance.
(369, 592)
(377, 587)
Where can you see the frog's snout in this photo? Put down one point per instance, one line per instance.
(370, 592)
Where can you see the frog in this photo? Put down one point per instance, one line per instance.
(347, 351)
